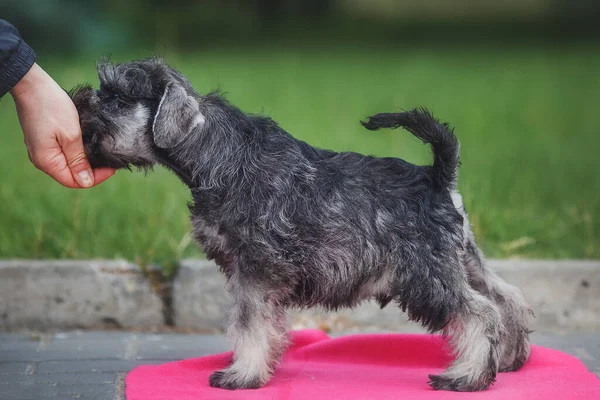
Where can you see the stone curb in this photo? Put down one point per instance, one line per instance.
(76, 294)
(565, 296)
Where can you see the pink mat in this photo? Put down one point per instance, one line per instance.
(382, 366)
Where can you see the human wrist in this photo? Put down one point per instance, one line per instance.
(34, 77)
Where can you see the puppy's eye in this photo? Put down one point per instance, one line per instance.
(120, 99)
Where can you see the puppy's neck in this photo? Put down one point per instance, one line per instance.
(213, 153)
(165, 160)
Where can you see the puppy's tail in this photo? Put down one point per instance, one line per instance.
(440, 136)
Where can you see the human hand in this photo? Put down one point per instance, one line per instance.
(52, 133)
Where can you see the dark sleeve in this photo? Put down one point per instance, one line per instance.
(16, 57)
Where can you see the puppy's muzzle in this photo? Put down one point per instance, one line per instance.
(93, 127)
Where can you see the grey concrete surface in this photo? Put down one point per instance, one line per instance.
(73, 294)
(93, 365)
(565, 296)
(200, 300)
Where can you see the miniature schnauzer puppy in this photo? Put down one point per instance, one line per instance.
(291, 225)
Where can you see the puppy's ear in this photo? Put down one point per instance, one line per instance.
(177, 115)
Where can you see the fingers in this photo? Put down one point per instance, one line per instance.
(52, 160)
(72, 147)
(57, 168)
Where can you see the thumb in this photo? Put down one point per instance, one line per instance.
(72, 147)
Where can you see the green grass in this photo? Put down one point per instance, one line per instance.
(526, 117)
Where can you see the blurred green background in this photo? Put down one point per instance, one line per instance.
(519, 80)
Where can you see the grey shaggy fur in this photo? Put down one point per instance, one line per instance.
(291, 225)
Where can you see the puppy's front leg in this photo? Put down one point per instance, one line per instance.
(258, 331)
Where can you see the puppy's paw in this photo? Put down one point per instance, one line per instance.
(514, 353)
(230, 380)
(460, 384)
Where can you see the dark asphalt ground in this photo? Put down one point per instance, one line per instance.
(93, 365)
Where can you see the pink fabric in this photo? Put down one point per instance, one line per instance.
(382, 366)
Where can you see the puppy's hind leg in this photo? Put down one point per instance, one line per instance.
(259, 333)
(474, 332)
(514, 309)
(434, 291)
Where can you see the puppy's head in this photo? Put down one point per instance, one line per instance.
(142, 109)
